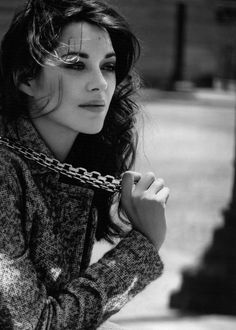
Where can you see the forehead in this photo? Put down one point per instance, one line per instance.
(82, 36)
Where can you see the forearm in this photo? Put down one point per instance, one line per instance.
(122, 273)
(85, 302)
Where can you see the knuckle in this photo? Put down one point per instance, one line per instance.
(146, 194)
(167, 190)
(160, 182)
(140, 197)
(150, 175)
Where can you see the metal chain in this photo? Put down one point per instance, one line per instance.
(94, 179)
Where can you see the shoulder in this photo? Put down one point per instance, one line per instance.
(12, 167)
(8, 157)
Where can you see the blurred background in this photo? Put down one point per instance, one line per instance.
(191, 40)
(187, 136)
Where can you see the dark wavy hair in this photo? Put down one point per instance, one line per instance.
(33, 34)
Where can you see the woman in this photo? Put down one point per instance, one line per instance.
(66, 93)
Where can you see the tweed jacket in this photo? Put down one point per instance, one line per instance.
(46, 279)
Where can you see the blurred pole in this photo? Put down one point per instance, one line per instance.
(211, 286)
(180, 23)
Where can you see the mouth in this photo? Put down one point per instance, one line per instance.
(93, 105)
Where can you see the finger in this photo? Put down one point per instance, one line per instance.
(129, 178)
(145, 182)
(163, 195)
(157, 185)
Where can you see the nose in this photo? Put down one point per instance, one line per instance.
(97, 81)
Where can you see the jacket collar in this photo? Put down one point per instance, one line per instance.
(24, 132)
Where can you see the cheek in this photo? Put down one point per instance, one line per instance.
(48, 81)
(112, 86)
(71, 87)
(47, 94)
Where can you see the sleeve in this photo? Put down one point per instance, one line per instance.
(85, 302)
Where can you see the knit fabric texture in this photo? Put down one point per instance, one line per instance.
(46, 279)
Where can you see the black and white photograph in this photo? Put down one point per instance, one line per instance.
(118, 164)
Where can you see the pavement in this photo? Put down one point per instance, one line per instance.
(202, 96)
(150, 309)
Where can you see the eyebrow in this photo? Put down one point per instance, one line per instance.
(109, 55)
(85, 55)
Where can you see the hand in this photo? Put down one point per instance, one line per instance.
(144, 204)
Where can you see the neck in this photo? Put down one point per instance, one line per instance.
(58, 138)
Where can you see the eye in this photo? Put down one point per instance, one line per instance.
(110, 67)
(79, 66)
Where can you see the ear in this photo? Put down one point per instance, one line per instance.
(26, 87)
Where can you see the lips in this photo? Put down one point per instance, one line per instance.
(93, 104)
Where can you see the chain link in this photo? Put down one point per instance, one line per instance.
(94, 179)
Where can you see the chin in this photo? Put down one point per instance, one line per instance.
(93, 130)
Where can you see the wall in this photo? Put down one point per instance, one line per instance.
(207, 43)
(155, 23)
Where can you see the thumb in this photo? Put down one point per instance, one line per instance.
(129, 178)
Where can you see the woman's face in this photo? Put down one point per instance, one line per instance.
(80, 92)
